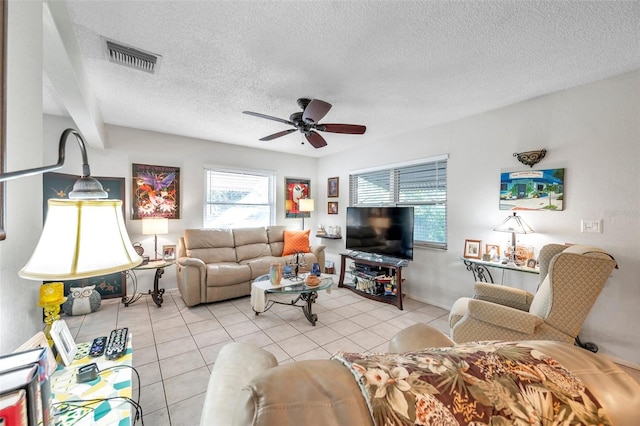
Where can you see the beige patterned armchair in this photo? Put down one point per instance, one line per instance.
(572, 278)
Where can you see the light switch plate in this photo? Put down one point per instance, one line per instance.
(591, 225)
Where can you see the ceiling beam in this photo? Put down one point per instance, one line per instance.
(62, 62)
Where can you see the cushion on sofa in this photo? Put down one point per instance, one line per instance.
(223, 274)
(276, 239)
(260, 266)
(210, 245)
(296, 242)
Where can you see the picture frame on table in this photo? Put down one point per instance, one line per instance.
(493, 250)
(63, 340)
(333, 187)
(332, 207)
(295, 189)
(169, 252)
(531, 263)
(472, 249)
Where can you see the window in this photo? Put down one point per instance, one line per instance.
(421, 184)
(238, 198)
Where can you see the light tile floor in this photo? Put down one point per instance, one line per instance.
(175, 346)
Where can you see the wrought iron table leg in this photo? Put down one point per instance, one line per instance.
(480, 272)
(156, 293)
(590, 346)
(309, 298)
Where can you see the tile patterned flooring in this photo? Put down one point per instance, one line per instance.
(175, 346)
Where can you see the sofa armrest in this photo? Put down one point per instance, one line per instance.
(418, 336)
(318, 251)
(504, 316)
(236, 365)
(191, 275)
(503, 295)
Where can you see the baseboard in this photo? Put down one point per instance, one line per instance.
(430, 302)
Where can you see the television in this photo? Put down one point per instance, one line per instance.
(384, 231)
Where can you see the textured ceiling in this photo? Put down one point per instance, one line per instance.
(392, 66)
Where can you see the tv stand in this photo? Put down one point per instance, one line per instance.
(376, 263)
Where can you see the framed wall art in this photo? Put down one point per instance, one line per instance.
(156, 191)
(333, 187)
(332, 207)
(294, 190)
(472, 249)
(58, 185)
(532, 190)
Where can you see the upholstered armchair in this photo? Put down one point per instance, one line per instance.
(571, 280)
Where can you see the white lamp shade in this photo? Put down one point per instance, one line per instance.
(155, 226)
(306, 205)
(514, 224)
(81, 239)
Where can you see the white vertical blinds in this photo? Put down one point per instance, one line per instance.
(421, 185)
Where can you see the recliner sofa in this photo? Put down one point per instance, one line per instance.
(220, 264)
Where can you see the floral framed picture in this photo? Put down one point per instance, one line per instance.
(156, 191)
(295, 189)
(472, 249)
(333, 187)
(332, 207)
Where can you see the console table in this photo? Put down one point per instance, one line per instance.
(481, 272)
(378, 263)
(109, 392)
(156, 293)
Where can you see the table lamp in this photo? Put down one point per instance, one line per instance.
(305, 205)
(515, 225)
(155, 226)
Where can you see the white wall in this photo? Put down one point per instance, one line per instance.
(593, 132)
(20, 318)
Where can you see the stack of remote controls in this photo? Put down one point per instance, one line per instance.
(112, 348)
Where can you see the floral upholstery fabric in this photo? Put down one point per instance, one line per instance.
(486, 383)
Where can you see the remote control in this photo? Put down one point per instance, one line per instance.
(98, 346)
(117, 344)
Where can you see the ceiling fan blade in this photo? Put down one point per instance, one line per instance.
(315, 111)
(315, 139)
(268, 117)
(277, 135)
(352, 129)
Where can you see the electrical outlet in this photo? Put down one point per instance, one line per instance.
(591, 225)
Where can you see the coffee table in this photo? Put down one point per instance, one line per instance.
(261, 288)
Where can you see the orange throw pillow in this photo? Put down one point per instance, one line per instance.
(296, 242)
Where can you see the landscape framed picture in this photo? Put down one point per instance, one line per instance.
(58, 185)
(532, 190)
(156, 191)
(295, 189)
(333, 187)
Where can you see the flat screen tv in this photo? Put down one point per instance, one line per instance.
(385, 231)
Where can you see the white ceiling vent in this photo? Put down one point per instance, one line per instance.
(129, 56)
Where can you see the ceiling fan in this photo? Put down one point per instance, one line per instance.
(306, 122)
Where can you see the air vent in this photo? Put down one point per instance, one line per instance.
(131, 57)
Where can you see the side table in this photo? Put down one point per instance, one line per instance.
(156, 293)
(103, 401)
(481, 272)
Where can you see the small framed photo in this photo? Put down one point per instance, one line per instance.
(333, 187)
(531, 263)
(63, 341)
(332, 207)
(169, 252)
(472, 249)
(493, 250)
